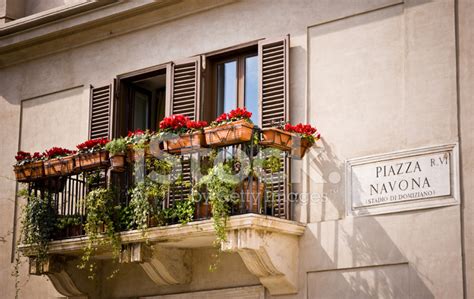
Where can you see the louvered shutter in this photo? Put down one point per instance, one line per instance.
(273, 92)
(100, 111)
(185, 91)
(185, 99)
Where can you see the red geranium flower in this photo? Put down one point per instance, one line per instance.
(56, 152)
(92, 144)
(306, 131)
(234, 115)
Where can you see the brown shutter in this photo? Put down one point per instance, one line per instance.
(273, 92)
(185, 99)
(185, 91)
(274, 78)
(100, 111)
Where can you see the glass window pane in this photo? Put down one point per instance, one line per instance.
(226, 86)
(251, 87)
(140, 111)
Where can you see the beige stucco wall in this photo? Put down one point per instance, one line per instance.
(372, 79)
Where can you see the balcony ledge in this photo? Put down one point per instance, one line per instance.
(267, 245)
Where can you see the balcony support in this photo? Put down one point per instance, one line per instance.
(54, 267)
(164, 266)
(271, 256)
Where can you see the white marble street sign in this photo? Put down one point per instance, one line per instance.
(402, 181)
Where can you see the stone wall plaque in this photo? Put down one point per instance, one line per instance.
(405, 180)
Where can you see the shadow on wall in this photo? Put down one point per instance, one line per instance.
(355, 257)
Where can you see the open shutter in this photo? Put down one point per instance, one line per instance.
(100, 111)
(185, 91)
(185, 99)
(273, 92)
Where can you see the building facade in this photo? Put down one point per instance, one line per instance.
(388, 83)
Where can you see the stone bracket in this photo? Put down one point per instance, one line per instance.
(271, 256)
(164, 266)
(54, 268)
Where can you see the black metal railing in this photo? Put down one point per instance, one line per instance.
(260, 191)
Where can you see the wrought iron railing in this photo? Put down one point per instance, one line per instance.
(260, 191)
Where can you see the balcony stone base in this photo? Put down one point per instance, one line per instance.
(267, 245)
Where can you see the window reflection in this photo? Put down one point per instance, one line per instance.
(226, 86)
(251, 87)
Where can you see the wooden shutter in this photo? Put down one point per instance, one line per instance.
(274, 79)
(100, 111)
(185, 91)
(273, 92)
(185, 99)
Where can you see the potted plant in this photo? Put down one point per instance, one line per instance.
(138, 140)
(230, 128)
(59, 161)
(117, 149)
(180, 134)
(28, 167)
(69, 226)
(297, 139)
(92, 154)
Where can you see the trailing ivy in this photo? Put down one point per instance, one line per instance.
(39, 222)
(100, 228)
(220, 185)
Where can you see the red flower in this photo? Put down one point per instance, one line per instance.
(304, 130)
(236, 114)
(92, 144)
(137, 132)
(55, 152)
(21, 156)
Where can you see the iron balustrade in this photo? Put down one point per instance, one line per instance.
(260, 191)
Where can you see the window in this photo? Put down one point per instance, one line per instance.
(141, 103)
(234, 83)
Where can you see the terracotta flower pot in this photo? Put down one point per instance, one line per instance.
(185, 143)
(277, 138)
(86, 161)
(228, 134)
(117, 162)
(30, 171)
(299, 147)
(203, 210)
(59, 166)
(253, 193)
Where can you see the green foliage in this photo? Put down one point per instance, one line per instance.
(220, 184)
(100, 227)
(67, 221)
(140, 206)
(272, 164)
(182, 210)
(117, 146)
(38, 222)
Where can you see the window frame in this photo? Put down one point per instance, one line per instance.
(212, 61)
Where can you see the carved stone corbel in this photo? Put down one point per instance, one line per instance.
(164, 266)
(271, 256)
(54, 267)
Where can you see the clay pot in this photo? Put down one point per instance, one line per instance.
(117, 163)
(87, 161)
(203, 210)
(227, 134)
(277, 138)
(252, 192)
(300, 147)
(30, 171)
(185, 143)
(59, 166)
